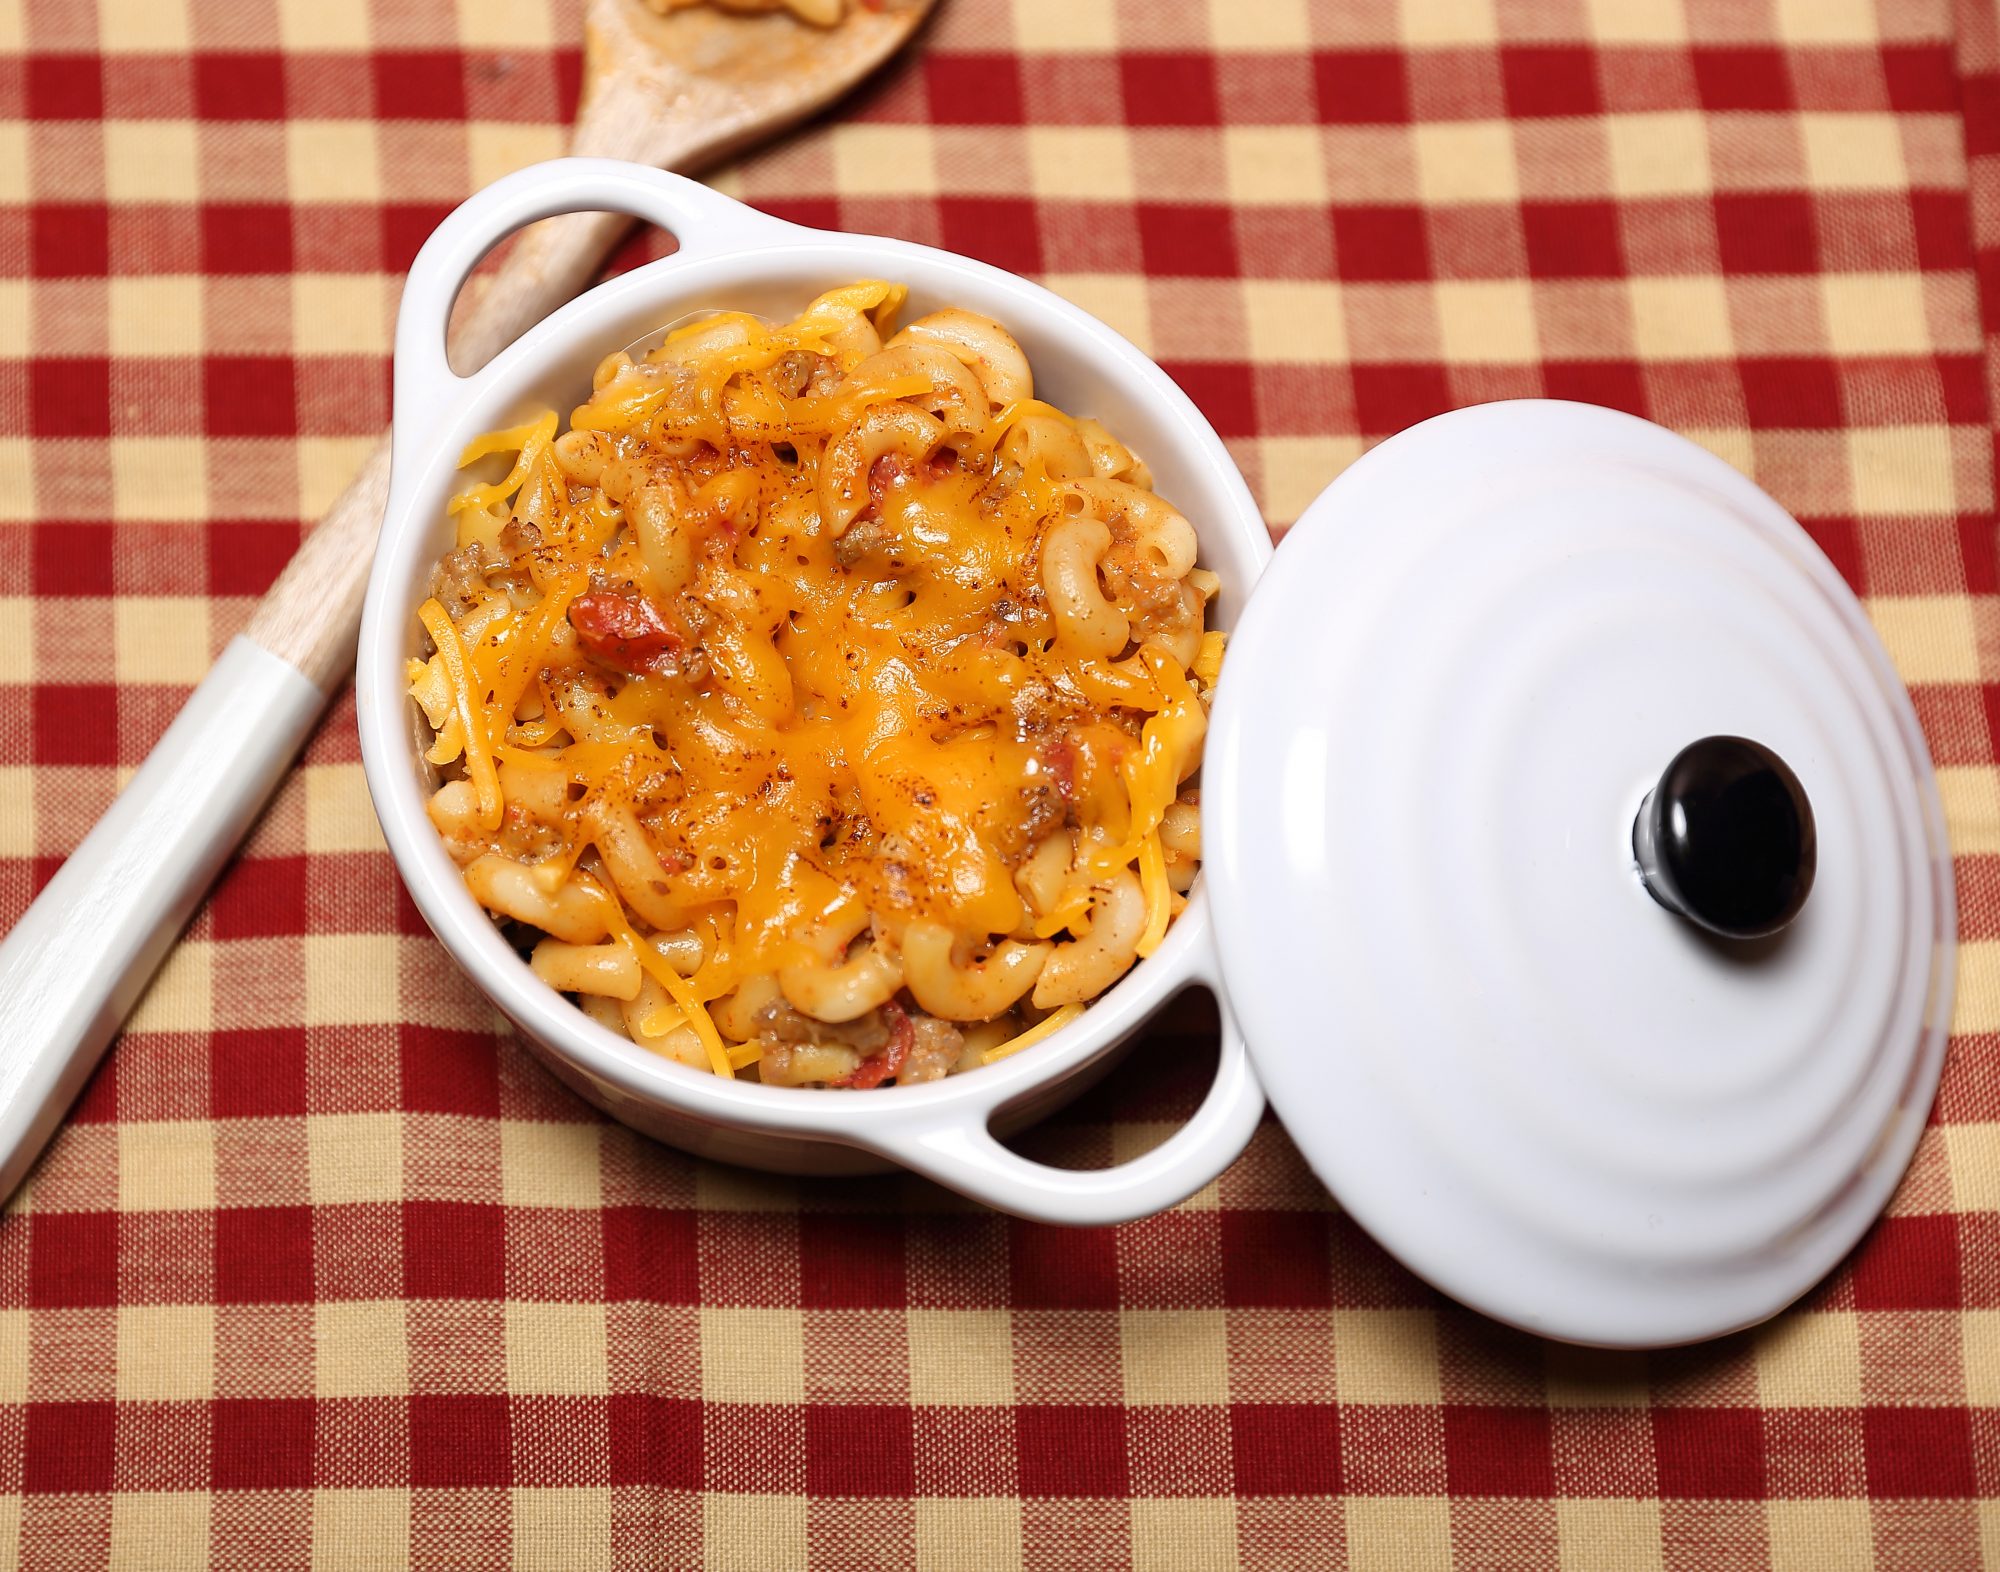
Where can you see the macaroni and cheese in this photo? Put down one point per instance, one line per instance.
(819, 703)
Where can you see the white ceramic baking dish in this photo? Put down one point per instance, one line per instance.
(732, 257)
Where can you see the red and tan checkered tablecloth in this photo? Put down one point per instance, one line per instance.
(324, 1272)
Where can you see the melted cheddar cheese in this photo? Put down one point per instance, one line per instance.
(822, 697)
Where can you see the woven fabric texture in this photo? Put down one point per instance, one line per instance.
(325, 1272)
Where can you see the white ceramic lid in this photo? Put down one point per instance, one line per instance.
(1561, 1103)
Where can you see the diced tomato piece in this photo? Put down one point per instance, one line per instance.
(1060, 759)
(887, 1064)
(882, 474)
(623, 630)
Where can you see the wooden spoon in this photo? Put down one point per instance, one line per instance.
(677, 91)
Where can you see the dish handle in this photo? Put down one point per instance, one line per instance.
(959, 1151)
(701, 220)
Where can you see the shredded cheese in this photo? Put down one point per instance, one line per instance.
(1046, 1027)
(471, 713)
(1153, 882)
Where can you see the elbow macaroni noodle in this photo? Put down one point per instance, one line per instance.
(820, 704)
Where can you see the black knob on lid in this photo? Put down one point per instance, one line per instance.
(1726, 838)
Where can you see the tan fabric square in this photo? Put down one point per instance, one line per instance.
(1609, 1536)
(17, 799)
(889, 160)
(160, 638)
(1180, 1536)
(1811, 1359)
(1931, 638)
(1680, 318)
(1090, 163)
(14, 312)
(1905, 469)
(166, 1353)
(326, 465)
(340, 314)
(156, 316)
(1295, 320)
(1487, 321)
(158, 478)
(752, 1355)
(562, 1528)
(1819, 1536)
(505, 24)
(1979, 1334)
(1386, 1356)
(18, 502)
(14, 1356)
(355, 1157)
(1661, 154)
(351, 979)
(1976, 1007)
(1298, 469)
(960, 1357)
(1854, 152)
(1274, 164)
(499, 147)
(1270, 24)
(1057, 26)
(360, 1528)
(556, 1348)
(166, 1165)
(1398, 1534)
(151, 161)
(17, 659)
(142, 26)
(1973, 1149)
(361, 1348)
(1827, 21)
(1637, 21)
(545, 1164)
(977, 1534)
(331, 161)
(1467, 161)
(1876, 314)
(1448, 23)
(749, 1533)
(305, 25)
(1120, 301)
(14, 184)
(340, 815)
(144, 1522)
(1175, 1356)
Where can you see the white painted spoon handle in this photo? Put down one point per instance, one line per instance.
(78, 960)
